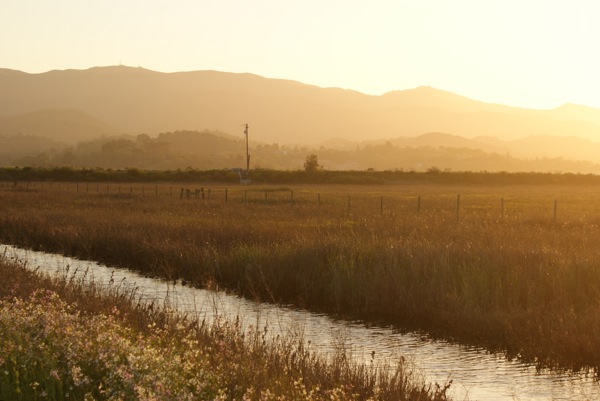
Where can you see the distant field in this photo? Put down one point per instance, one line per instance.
(510, 267)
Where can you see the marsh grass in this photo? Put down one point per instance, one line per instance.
(518, 282)
(63, 338)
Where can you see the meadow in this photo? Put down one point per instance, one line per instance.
(514, 268)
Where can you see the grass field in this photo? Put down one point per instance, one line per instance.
(512, 268)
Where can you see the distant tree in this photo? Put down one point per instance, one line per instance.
(311, 165)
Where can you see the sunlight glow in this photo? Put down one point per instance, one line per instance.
(530, 53)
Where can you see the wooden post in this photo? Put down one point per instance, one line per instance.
(225, 195)
(381, 205)
(458, 207)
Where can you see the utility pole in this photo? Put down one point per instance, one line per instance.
(247, 154)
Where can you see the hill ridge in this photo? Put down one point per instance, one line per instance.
(136, 100)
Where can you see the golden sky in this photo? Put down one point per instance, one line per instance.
(529, 53)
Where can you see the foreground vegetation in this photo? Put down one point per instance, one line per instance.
(64, 340)
(517, 278)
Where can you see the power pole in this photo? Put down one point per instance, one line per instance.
(247, 154)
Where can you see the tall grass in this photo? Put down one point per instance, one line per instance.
(517, 282)
(62, 339)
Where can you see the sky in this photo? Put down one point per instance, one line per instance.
(526, 53)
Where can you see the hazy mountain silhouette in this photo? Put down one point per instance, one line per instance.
(208, 150)
(69, 126)
(14, 148)
(135, 100)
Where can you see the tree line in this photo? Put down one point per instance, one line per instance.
(310, 175)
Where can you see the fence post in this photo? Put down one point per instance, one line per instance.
(381, 205)
(266, 194)
(225, 195)
(458, 207)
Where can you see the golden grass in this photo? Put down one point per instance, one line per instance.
(62, 339)
(513, 279)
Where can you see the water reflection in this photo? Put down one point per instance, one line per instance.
(476, 374)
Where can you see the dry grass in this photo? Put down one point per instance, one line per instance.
(65, 340)
(512, 279)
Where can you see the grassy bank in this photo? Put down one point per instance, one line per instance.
(62, 340)
(516, 279)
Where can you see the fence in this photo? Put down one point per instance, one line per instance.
(457, 205)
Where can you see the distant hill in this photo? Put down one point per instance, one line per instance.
(135, 100)
(14, 148)
(63, 125)
(208, 150)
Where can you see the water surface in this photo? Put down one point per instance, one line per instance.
(475, 373)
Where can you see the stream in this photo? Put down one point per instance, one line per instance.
(475, 373)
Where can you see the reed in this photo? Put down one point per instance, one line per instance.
(512, 279)
(63, 339)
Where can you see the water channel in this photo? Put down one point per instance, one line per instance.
(476, 374)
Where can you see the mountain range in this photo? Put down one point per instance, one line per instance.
(70, 106)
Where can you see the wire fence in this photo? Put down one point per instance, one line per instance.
(453, 205)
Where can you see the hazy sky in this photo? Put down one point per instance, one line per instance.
(531, 53)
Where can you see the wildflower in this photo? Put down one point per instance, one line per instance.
(54, 374)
